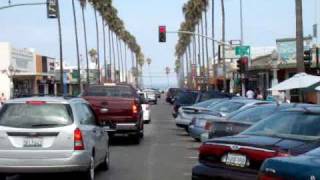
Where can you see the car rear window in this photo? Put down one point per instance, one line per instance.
(36, 116)
(187, 97)
(112, 91)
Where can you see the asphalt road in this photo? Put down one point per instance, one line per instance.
(165, 153)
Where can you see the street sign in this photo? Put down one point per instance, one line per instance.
(242, 50)
(52, 9)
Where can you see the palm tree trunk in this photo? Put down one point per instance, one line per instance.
(86, 45)
(98, 45)
(199, 51)
(121, 60)
(104, 51)
(194, 57)
(223, 47)
(207, 48)
(203, 48)
(190, 65)
(213, 37)
(118, 54)
(110, 53)
(77, 44)
(299, 34)
(114, 57)
(125, 63)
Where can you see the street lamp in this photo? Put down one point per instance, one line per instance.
(10, 72)
(274, 65)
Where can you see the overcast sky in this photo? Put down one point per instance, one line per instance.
(264, 22)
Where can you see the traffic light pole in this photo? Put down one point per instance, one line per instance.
(22, 4)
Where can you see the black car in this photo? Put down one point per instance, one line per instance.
(171, 94)
(184, 98)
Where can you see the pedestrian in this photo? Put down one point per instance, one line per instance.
(250, 94)
(258, 94)
(3, 99)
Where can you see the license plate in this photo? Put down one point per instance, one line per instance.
(32, 142)
(236, 160)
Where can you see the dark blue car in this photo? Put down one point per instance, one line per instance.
(304, 167)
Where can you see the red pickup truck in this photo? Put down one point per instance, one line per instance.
(117, 106)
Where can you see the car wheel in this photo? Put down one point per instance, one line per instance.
(106, 163)
(90, 173)
(136, 138)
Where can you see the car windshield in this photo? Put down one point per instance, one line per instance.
(35, 116)
(112, 91)
(253, 115)
(226, 106)
(206, 104)
(293, 125)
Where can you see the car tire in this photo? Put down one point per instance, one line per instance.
(136, 138)
(90, 173)
(106, 163)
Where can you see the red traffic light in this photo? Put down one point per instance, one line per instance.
(162, 29)
(244, 60)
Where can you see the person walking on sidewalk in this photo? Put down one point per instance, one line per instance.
(3, 99)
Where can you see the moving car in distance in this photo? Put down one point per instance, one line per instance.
(184, 98)
(203, 123)
(291, 132)
(187, 113)
(171, 94)
(243, 120)
(301, 167)
(146, 108)
(51, 135)
(151, 96)
(118, 106)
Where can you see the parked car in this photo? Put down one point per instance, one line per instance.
(118, 106)
(290, 132)
(225, 110)
(171, 94)
(301, 167)
(151, 96)
(184, 98)
(206, 95)
(242, 120)
(51, 135)
(157, 91)
(187, 113)
(146, 108)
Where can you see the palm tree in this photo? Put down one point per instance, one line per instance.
(121, 60)
(118, 55)
(83, 4)
(299, 34)
(110, 53)
(98, 44)
(104, 51)
(207, 45)
(114, 57)
(125, 62)
(149, 61)
(77, 44)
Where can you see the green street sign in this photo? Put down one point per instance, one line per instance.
(242, 50)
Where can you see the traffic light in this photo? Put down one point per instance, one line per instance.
(239, 64)
(307, 57)
(242, 64)
(52, 9)
(162, 34)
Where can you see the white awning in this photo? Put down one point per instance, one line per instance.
(298, 81)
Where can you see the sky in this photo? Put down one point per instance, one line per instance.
(264, 22)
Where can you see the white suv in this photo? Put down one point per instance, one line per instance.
(51, 135)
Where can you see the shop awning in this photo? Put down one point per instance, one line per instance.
(298, 81)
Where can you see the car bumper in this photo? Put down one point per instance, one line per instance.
(146, 116)
(180, 122)
(196, 132)
(126, 127)
(78, 162)
(203, 172)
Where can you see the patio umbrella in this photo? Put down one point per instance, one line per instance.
(298, 81)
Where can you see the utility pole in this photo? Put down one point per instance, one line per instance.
(299, 37)
(213, 36)
(61, 50)
(223, 46)
(241, 21)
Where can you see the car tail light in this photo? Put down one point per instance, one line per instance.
(78, 140)
(208, 126)
(135, 108)
(269, 177)
(36, 103)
